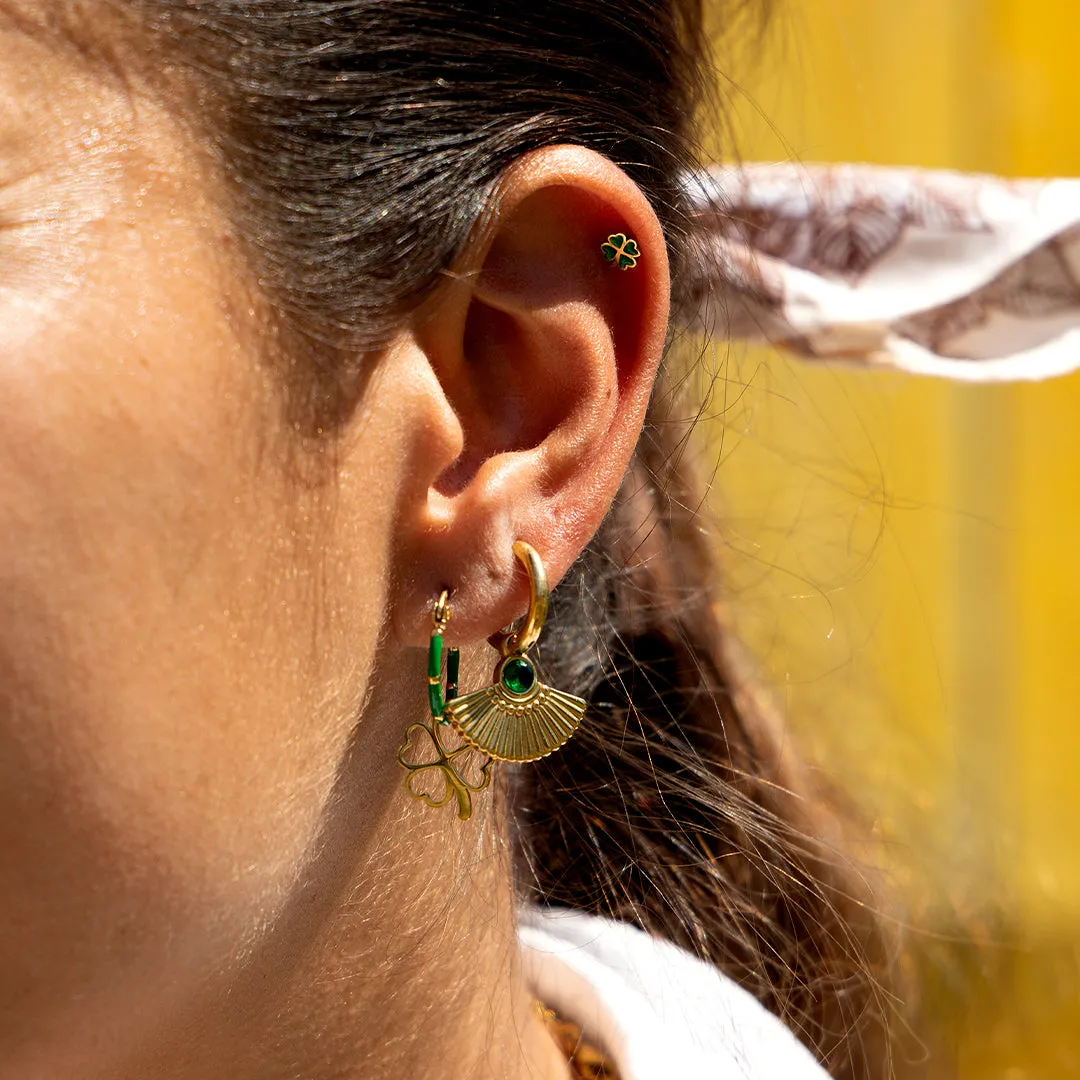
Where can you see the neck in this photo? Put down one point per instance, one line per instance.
(395, 954)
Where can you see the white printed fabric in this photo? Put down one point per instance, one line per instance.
(937, 273)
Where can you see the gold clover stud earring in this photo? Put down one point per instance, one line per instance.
(621, 250)
(517, 718)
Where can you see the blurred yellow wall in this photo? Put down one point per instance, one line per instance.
(904, 555)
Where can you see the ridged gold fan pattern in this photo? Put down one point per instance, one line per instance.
(516, 729)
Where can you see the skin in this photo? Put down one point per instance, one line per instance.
(208, 864)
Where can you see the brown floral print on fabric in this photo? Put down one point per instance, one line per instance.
(918, 270)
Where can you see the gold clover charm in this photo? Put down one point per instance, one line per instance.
(456, 785)
(620, 250)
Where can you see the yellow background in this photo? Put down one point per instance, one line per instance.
(902, 554)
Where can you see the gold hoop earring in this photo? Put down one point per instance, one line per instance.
(517, 718)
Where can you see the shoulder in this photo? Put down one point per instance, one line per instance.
(655, 1008)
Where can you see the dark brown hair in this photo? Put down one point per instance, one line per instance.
(361, 140)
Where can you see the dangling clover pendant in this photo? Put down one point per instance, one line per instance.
(517, 718)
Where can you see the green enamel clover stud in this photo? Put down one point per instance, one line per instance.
(621, 250)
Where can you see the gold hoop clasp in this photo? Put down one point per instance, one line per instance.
(440, 613)
(526, 636)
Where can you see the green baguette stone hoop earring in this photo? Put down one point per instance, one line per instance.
(440, 616)
(515, 719)
(619, 249)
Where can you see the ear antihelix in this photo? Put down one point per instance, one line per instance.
(517, 718)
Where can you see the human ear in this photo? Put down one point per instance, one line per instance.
(538, 360)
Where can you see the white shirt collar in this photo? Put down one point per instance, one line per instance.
(658, 1011)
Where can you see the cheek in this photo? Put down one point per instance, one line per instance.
(161, 773)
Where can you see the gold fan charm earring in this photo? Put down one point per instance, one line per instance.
(518, 718)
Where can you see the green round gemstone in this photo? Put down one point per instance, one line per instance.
(518, 675)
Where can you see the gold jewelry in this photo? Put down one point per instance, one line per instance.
(516, 719)
(587, 1062)
(619, 249)
(446, 762)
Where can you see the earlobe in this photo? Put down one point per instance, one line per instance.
(544, 349)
